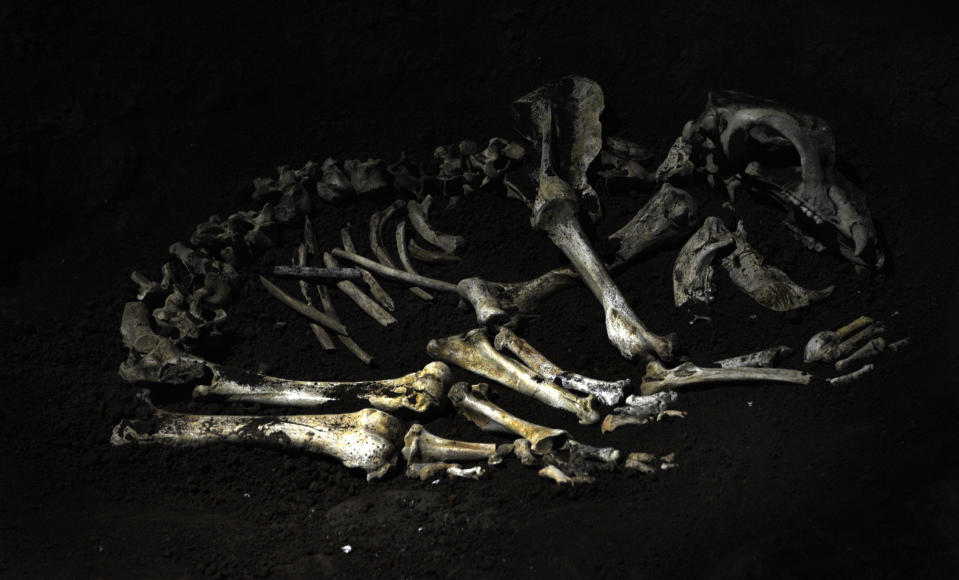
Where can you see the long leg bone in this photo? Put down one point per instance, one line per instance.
(421, 446)
(364, 439)
(659, 378)
(828, 345)
(417, 391)
(473, 352)
(761, 358)
(640, 410)
(350, 344)
(366, 304)
(607, 392)
(472, 402)
(417, 213)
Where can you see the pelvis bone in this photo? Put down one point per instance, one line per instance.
(473, 352)
(364, 439)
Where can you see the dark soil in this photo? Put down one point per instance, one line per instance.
(122, 129)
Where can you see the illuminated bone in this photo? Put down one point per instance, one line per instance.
(607, 392)
(350, 344)
(578, 101)
(404, 256)
(659, 378)
(417, 214)
(417, 391)
(523, 450)
(496, 302)
(364, 439)
(767, 285)
(421, 446)
(761, 358)
(375, 288)
(377, 221)
(360, 298)
(396, 274)
(853, 376)
(669, 215)
(424, 471)
(640, 410)
(868, 350)
(646, 462)
(472, 402)
(474, 352)
(829, 345)
(559, 476)
(693, 271)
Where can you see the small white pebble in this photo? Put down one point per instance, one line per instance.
(246, 494)
(749, 403)
(347, 549)
(419, 529)
(436, 482)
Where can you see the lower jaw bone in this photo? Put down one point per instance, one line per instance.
(489, 417)
(659, 378)
(607, 392)
(421, 446)
(364, 439)
(418, 391)
(473, 352)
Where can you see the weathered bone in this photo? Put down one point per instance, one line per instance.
(607, 392)
(395, 274)
(376, 289)
(418, 391)
(693, 271)
(767, 285)
(557, 200)
(302, 308)
(153, 358)
(868, 350)
(853, 376)
(303, 272)
(473, 352)
(828, 345)
(319, 332)
(669, 215)
(364, 439)
(559, 476)
(640, 410)
(424, 471)
(495, 302)
(761, 358)
(404, 256)
(366, 304)
(346, 341)
(377, 221)
(421, 446)
(423, 255)
(472, 402)
(417, 214)
(366, 176)
(645, 462)
(659, 378)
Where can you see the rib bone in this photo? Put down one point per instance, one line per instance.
(350, 344)
(489, 417)
(421, 446)
(608, 392)
(302, 308)
(417, 391)
(659, 378)
(473, 352)
(377, 221)
(375, 288)
(451, 244)
(366, 304)
(364, 439)
(404, 257)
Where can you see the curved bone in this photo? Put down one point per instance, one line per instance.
(761, 358)
(418, 391)
(375, 288)
(767, 285)
(693, 271)
(303, 272)
(422, 446)
(450, 243)
(659, 378)
(853, 376)
(669, 215)
(489, 417)
(302, 308)
(824, 346)
(423, 255)
(495, 302)
(366, 304)
(473, 352)
(346, 341)
(405, 258)
(608, 392)
(364, 439)
(396, 274)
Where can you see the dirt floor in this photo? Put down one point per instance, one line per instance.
(123, 129)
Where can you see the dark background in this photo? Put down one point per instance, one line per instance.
(124, 127)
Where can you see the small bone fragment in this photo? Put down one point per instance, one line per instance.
(607, 392)
(304, 309)
(523, 451)
(868, 350)
(762, 358)
(898, 345)
(767, 285)
(489, 417)
(693, 271)
(475, 472)
(316, 273)
(669, 215)
(639, 461)
(366, 176)
(377, 221)
(364, 439)
(396, 274)
(678, 161)
(404, 257)
(417, 391)
(824, 346)
(659, 378)
(321, 335)
(375, 288)
(473, 352)
(640, 410)
(366, 304)
(558, 476)
(422, 446)
(494, 302)
(423, 255)
(147, 287)
(348, 342)
(424, 471)
(581, 451)
(417, 214)
(850, 377)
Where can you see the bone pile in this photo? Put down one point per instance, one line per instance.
(737, 144)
